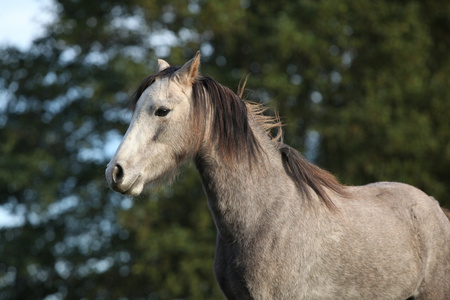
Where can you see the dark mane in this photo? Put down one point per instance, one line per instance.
(230, 131)
(232, 134)
(307, 175)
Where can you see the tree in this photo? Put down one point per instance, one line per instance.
(65, 99)
(361, 86)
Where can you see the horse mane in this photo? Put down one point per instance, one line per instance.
(308, 176)
(233, 135)
(230, 130)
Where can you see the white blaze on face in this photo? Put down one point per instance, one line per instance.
(158, 135)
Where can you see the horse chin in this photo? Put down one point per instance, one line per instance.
(135, 189)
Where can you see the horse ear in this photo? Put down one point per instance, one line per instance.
(162, 65)
(189, 71)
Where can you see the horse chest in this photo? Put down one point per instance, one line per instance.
(254, 274)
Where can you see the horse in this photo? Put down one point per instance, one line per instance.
(286, 229)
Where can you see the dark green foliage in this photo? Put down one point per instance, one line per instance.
(362, 87)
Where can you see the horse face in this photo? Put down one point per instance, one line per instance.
(158, 138)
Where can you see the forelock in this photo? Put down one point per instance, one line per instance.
(148, 81)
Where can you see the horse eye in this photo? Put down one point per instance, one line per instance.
(162, 112)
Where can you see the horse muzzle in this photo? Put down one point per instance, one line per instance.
(118, 182)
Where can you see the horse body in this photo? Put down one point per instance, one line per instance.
(285, 228)
(270, 246)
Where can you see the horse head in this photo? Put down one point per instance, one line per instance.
(159, 136)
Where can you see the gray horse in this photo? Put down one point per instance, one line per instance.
(286, 229)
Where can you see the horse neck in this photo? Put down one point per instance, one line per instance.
(240, 194)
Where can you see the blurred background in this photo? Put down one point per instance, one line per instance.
(361, 85)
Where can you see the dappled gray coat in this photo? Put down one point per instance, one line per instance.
(286, 229)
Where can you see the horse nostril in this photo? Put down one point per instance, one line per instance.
(117, 174)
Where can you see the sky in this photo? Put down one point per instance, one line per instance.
(23, 20)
